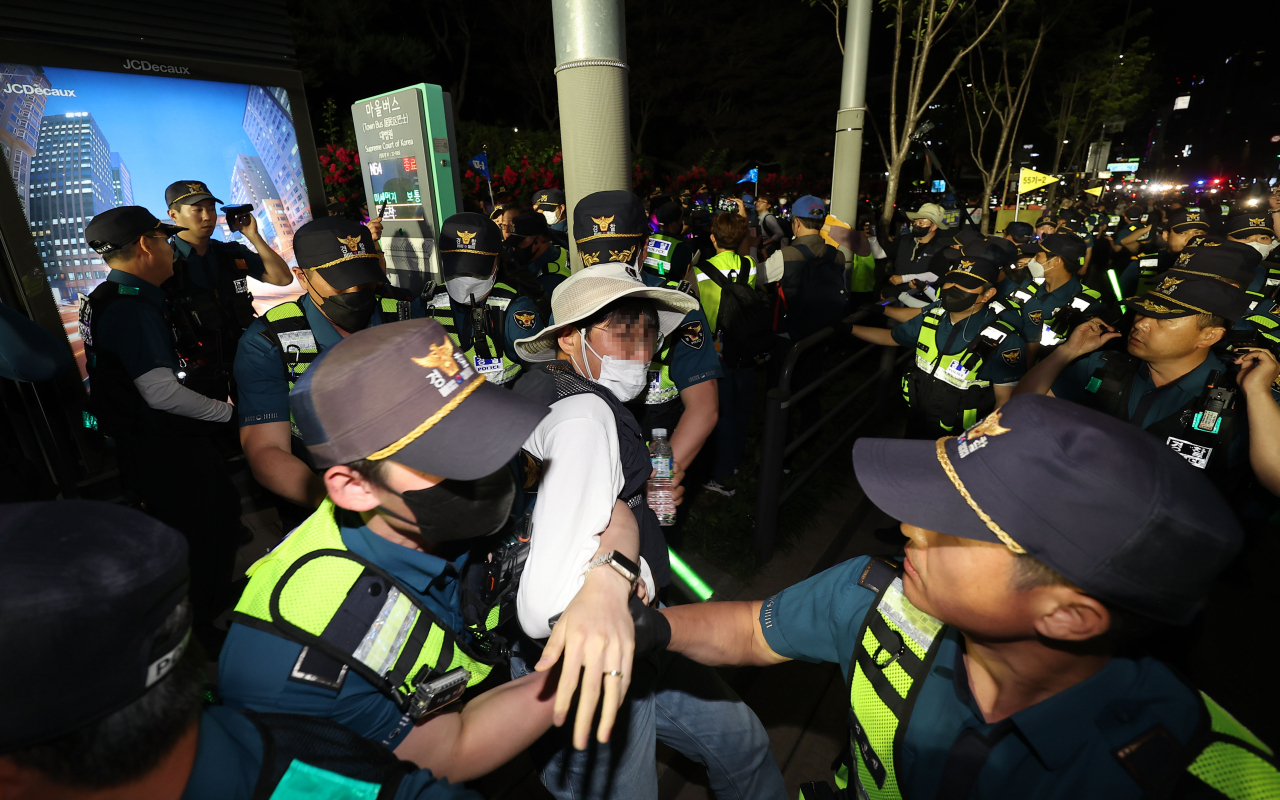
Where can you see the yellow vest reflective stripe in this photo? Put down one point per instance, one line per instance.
(709, 291)
(661, 389)
(441, 310)
(1235, 762)
(298, 589)
(658, 253)
(559, 265)
(943, 367)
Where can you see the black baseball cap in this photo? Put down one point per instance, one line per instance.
(530, 223)
(1185, 220)
(92, 614)
(1027, 249)
(1151, 535)
(1243, 226)
(548, 199)
(404, 391)
(469, 242)
(1074, 226)
(1020, 231)
(1047, 221)
(1067, 246)
(1223, 263)
(668, 213)
(1183, 295)
(972, 272)
(187, 193)
(117, 227)
(609, 226)
(1002, 252)
(342, 249)
(968, 237)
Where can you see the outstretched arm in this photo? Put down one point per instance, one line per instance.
(720, 633)
(1086, 338)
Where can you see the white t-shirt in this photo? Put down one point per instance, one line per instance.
(581, 478)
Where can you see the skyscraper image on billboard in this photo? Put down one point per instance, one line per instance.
(78, 142)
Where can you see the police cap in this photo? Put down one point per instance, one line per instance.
(1127, 521)
(1067, 246)
(1243, 226)
(92, 614)
(343, 251)
(117, 227)
(406, 393)
(1224, 263)
(548, 199)
(1020, 231)
(972, 272)
(469, 242)
(530, 223)
(610, 226)
(1047, 220)
(1001, 251)
(187, 193)
(1184, 220)
(1182, 295)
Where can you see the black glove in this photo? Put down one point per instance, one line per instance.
(653, 631)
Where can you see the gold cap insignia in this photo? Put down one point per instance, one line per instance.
(590, 259)
(603, 223)
(1193, 217)
(1168, 283)
(988, 427)
(624, 256)
(965, 266)
(466, 236)
(1183, 259)
(352, 243)
(441, 358)
(196, 187)
(542, 198)
(1257, 221)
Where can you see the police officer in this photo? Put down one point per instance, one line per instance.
(346, 291)
(1019, 232)
(550, 204)
(1060, 256)
(993, 660)
(535, 252)
(483, 310)
(1046, 225)
(209, 292)
(1253, 232)
(1164, 380)
(967, 360)
(169, 438)
(681, 393)
(140, 730)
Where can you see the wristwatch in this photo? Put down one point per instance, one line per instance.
(624, 566)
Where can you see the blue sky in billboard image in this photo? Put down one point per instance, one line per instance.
(165, 129)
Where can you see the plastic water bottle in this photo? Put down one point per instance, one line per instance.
(658, 490)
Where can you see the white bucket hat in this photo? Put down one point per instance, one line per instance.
(591, 289)
(932, 212)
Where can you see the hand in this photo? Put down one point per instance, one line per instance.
(677, 482)
(1089, 336)
(895, 279)
(596, 635)
(375, 228)
(916, 285)
(1258, 371)
(248, 226)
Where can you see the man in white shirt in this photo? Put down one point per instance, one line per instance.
(586, 454)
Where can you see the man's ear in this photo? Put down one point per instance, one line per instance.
(173, 215)
(987, 295)
(1211, 336)
(713, 240)
(567, 339)
(1068, 615)
(351, 490)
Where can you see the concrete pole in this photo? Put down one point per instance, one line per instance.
(591, 78)
(849, 119)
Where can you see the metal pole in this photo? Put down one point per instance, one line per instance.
(772, 447)
(591, 78)
(849, 119)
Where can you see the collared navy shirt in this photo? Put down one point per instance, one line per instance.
(229, 757)
(254, 667)
(203, 269)
(261, 381)
(1004, 368)
(1071, 385)
(1061, 747)
(512, 330)
(136, 332)
(1044, 306)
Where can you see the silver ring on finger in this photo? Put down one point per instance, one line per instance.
(614, 673)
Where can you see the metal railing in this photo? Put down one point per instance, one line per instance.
(775, 448)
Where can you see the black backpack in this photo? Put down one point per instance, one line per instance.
(743, 323)
(818, 297)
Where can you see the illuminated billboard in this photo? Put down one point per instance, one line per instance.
(78, 142)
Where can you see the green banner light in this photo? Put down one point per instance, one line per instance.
(1115, 284)
(690, 578)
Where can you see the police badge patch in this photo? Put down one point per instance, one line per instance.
(525, 319)
(1036, 316)
(1012, 357)
(691, 334)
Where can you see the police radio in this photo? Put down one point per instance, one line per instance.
(983, 345)
(1218, 398)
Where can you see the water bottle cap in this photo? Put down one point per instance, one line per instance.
(659, 432)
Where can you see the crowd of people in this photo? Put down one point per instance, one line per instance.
(472, 569)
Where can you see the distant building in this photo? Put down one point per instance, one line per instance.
(121, 184)
(71, 183)
(20, 113)
(269, 123)
(250, 183)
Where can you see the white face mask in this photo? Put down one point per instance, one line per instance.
(1265, 249)
(1036, 268)
(464, 287)
(552, 217)
(626, 379)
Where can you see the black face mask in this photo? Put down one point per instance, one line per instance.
(523, 255)
(350, 311)
(955, 299)
(453, 510)
(918, 231)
